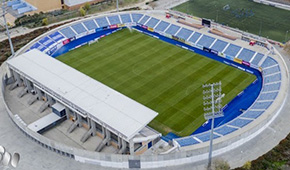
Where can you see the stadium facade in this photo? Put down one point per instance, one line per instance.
(58, 89)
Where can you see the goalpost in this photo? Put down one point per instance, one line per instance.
(93, 41)
(130, 28)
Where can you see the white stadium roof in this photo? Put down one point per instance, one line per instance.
(104, 105)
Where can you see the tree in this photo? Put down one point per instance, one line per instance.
(153, 5)
(87, 6)
(82, 11)
(220, 164)
(287, 47)
(247, 165)
(44, 21)
(121, 2)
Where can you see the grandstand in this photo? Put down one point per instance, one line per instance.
(97, 102)
(77, 34)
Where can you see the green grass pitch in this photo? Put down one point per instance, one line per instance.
(270, 21)
(163, 77)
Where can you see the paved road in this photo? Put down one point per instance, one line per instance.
(34, 157)
(266, 140)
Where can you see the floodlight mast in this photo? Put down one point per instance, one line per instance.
(117, 5)
(214, 99)
(7, 30)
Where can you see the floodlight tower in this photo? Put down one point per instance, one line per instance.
(212, 109)
(7, 30)
(286, 36)
(117, 5)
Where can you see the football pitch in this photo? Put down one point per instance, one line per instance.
(246, 15)
(161, 76)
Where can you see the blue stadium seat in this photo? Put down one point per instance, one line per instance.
(224, 130)
(68, 32)
(261, 105)
(271, 70)
(257, 59)
(268, 96)
(194, 37)
(271, 87)
(187, 141)
(172, 29)
(38, 46)
(246, 55)
(232, 50)
(79, 28)
(152, 22)
(252, 114)
(219, 45)
(102, 22)
(56, 36)
(206, 41)
(114, 20)
(205, 136)
(41, 48)
(162, 26)
(184, 33)
(240, 122)
(269, 62)
(144, 20)
(125, 18)
(46, 41)
(272, 78)
(136, 17)
(90, 24)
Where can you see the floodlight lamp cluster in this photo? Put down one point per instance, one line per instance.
(212, 100)
(7, 160)
(212, 84)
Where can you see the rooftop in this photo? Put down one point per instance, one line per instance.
(104, 105)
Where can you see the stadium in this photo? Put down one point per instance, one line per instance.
(124, 90)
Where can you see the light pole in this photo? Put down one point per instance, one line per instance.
(217, 16)
(260, 28)
(212, 108)
(5, 23)
(286, 36)
(117, 5)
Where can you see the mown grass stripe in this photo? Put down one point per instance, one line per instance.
(165, 78)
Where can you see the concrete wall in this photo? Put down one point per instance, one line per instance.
(275, 4)
(191, 154)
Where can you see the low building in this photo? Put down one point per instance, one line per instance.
(36, 6)
(75, 4)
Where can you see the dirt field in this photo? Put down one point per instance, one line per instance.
(45, 5)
